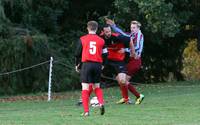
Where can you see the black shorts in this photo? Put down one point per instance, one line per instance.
(115, 67)
(91, 72)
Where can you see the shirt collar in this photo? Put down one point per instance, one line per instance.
(92, 32)
(136, 32)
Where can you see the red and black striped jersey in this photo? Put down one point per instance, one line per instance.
(115, 43)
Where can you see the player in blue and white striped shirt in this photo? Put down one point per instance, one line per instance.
(136, 47)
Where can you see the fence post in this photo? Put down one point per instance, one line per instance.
(50, 75)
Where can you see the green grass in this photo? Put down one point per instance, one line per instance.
(164, 104)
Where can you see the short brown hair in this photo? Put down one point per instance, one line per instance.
(137, 23)
(92, 25)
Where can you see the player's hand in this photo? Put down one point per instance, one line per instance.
(137, 56)
(109, 21)
(122, 50)
(133, 55)
(77, 68)
(102, 67)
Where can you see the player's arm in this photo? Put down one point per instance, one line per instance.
(138, 41)
(78, 54)
(127, 55)
(126, 41)
(127, 52)
(105, 55)
(132, 49)
(141, 46)
(115, 28)
(118, 30)
(123, 39)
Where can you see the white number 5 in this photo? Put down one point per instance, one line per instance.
(93, 47)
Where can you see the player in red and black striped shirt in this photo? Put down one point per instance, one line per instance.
(118, 54)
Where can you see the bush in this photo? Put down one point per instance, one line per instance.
(191, 61)
(18, 52)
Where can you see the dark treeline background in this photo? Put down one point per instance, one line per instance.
(33, 30)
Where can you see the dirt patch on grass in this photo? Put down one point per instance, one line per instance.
(55, 96)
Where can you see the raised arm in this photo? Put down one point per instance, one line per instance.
(118, 30)
(115, 28)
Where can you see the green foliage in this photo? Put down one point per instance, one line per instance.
(2, 14)
(4, 31)
(23, 43)
(163, 28)
(20, 52)
(39, 14)
(157, 16)
(23, 51)
(64, 75)
(191, 61)
(3, 20)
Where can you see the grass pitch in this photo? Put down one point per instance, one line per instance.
(164, 104)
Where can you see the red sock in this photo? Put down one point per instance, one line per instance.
(124, 92)
(99, 94)
(133, 90)
(85, 100)
(90, 88)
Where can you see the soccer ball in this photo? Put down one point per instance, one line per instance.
(94, 102)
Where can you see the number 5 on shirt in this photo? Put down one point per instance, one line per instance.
(93, 48)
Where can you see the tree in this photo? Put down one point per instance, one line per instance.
(2, 14)
(163, 23)
(158, 16)
(191, 61)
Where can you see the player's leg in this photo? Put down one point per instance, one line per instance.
(85, 98)
(132, 68)
(99, 94)
(98, 91)
(131, 88)
(79, 103)
(85, 73)
(121, 78)
(139, 96)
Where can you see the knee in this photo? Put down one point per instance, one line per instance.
(122, 81)
(96, 85)
(85, 86)
(122, 78)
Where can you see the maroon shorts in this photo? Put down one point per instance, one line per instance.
(133, 66)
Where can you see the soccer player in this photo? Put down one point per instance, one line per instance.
(116, 59)
(136, 47)
(90, 49)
